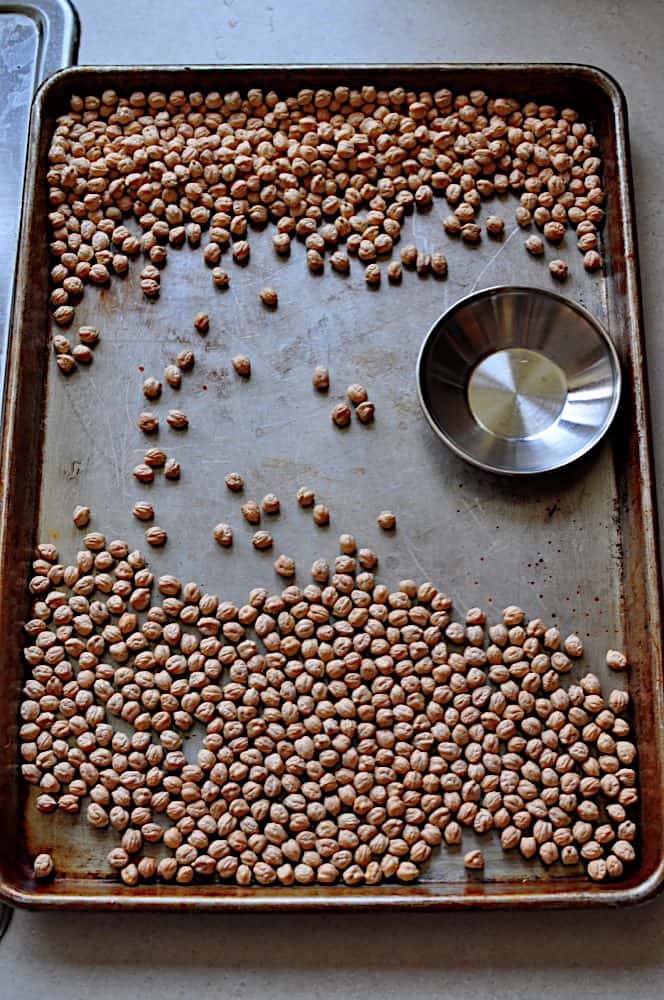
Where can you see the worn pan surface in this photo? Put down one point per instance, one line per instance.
(577, 548)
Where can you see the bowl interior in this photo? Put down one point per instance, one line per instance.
(518, 380)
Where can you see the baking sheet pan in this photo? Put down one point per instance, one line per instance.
(577, 548)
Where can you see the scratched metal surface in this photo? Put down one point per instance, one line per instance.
(554, 545)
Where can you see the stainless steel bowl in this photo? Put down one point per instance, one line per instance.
(518, 380)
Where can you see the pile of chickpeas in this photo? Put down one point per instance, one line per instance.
(334, 168)
(348, 730)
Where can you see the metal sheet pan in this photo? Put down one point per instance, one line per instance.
(577, 547)
(36, 39)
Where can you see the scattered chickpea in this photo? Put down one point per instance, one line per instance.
(321, 378)
(148, 422)
(66, 363)
(409, 256)
(262, 540)
(315, 262)
(372, 275)
(474, 860)
(202, 322)
(82, 354)
(386, 520)
(185, 360)
(320, 570)
(367, 559)
(173, 376)
(285, 566)
(471, 232)
(535, 246)
(592, 261)
(341, 415)
(143, 473)
(357, 393)
(305, 496)
(366, 412)
(439, 264)
(81, 516)
(269, 298)
(573, 646)
(251, 512)
(234, 482)
(554, 231)
(347, 544)
(423, 264)
(242, 365)
(220, 277)
(559, 269)
(616, 660)
(270, 504)
(523, 216)
(43, 867)
(172, 469)
(394, 272)
(241, 252)
(452, 225)
(88, 335)
(223, 534)
(339, 262)
(152, 388)
(156, 536)
(321, 514)
(495, 226)
(282, 244)
(177, 420)
(143, 510)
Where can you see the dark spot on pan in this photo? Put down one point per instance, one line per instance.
(141, 368)
(220, 381)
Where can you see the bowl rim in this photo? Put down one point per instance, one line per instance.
(492, 291)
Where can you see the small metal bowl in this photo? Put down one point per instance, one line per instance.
(518, 380)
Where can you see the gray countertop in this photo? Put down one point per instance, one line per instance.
(462, 955)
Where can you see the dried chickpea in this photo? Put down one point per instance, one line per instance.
(262, 540)
(321, 378)
(535, 246)
(394, 272)
(251, 512)
(270, 504)
(559, 269)
(223, 534)
(43, 867)
(285, 566)
(202, 322)
(143, 510)
(269, 298)
(152, 388)
(305, 496)
(357, 393)
(474, 860)
(386, 520)
(177, 420)
(321, 514)
(172, 469)
(234, 482)
(616, 660)
(242, 365)
(81, 516)
(341, 415)
(156, 536)
(495, 226)
(365, 412)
